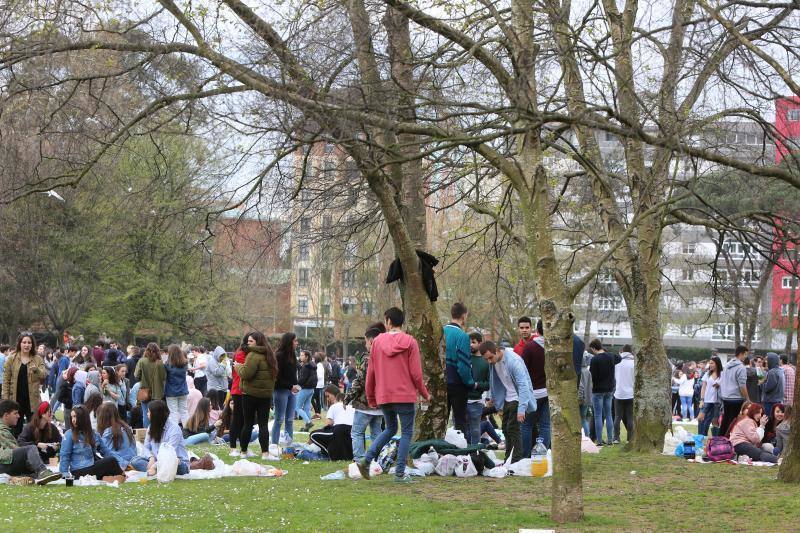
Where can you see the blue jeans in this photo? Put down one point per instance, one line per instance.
(541, 420)
(488, 428)
(710, 415)
(198, 438)
(284, 401)
(601, 405)
(360, 423)
(303, 401)
(585, 420)
(474, 412)
(145, 417)
(391, 412)
(687, 409)
(140, 463)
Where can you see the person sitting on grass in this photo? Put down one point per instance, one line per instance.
(335, 437)
(41, 432)
(79, 447)
(782, 431)
(116, 436)
(19, 460)
(164, 431)
(199, 428)
(747, 432)
(775, 417)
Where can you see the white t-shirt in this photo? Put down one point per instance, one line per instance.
(341, 414)
(502, 372)
(686, 387)
(200, 361)
(320, 375)
(712, 392)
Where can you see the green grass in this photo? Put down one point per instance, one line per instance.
(665, 494)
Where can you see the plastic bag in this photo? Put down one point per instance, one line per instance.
(446, 465)
(456, 438)
(4, 479)
(353, 472)
(375, 469)
(520, 468)
(587, 446)
(333, 476)
(681, 434)
(498, 472)
(465, 467)
(425, 467)
(431, 457)
(388, 455)
(166, 463)
(670, 443)
(243, 467)
(679, 450)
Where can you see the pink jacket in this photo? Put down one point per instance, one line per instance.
(394, 373)
(746, 430)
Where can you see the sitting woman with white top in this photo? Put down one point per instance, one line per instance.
(335, 438)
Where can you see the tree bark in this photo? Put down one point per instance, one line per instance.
(789, 471)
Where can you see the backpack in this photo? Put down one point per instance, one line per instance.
(719, 449)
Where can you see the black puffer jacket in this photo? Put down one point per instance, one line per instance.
(307, 376)
(287, 370)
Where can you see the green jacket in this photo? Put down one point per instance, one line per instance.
(480, 373)
(7, 444)
(152, 375)
(256, 378)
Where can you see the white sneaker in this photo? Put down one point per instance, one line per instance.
(250, 453)
(269, 457)
(274, 449)
(235, 453)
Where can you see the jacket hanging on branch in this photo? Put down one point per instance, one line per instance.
(426, 264)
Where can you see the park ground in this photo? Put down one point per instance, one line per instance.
(622, 492)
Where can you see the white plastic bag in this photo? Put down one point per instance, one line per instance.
(166, 463)
(498, 472)
(446, 465)
(587, 446)
(456, 438)
(353, 472)
(425, 467)
(375, 469)
(670, 443)
(431, 457)
(465, 467)
(243, 467)
(520, 468)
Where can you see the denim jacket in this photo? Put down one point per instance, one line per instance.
(176, 381)
(522, 380)
(123, 454)
(76, 455)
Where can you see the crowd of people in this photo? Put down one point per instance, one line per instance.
(186, 397)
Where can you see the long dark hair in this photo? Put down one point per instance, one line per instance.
(40, 434)
(176, 356)
(93, 403)
(243, 345)
(159, 414)
(108, 417)
(18, 349)
(112, 375)
(200, 418)
(268, 354)
(83, 426)
(718, 366)
(285, 352)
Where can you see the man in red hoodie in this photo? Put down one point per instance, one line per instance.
(525, 327)
(394, 377)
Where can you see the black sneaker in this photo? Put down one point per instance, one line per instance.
(45, 476)
(363, 467)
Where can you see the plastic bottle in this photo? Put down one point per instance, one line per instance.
(539, 459)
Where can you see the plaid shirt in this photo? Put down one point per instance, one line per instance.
(7, 444)
(788, 390)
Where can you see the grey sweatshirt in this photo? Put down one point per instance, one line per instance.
(734, 376)
(772, 388)
(216, 371)
(585, 385)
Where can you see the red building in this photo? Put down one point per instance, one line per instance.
(787, 126)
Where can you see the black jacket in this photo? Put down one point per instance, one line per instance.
(426, 264)
(307, 376)
(287, 370)
(131, 364)
(602, 370)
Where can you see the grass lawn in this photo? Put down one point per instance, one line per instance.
(665, 493)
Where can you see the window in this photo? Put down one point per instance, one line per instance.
(302, 305)
(752, 138)
(605, 277)
(349, 279)
(786, 282)
(689, 248)
(735, 249)
(793, 115)
(608, 332)
(723, 332)
(687, 274)
(302, 277)
(305, 224)
(326, 276)
(784, 309)
(609, 304)
(687, 329)
(304, 252)
(750, 277)
(348, 306)
(366, 308)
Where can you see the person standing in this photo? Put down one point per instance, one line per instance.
(257, 380)
(199, 369)
(686, 392)
(585, 393)
(602, 369)
(475, 404)
(176, 390)
(99, 353)
(710, 394)
(733, 388)
(307, 379)
(525, 328)
(789, 377)
(772, 390)
(237, 413)
(24, 374)
(623, 393)
(3, 354)
(286, 387)
(511, 391)
(134, 354)
(364, 415)
(151, 373)
(217, 375)
(394, 378)
(537, 422)
(458, 366)
(319, 400)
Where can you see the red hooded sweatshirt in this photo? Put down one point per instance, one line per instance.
(394, 373)
(238, 357)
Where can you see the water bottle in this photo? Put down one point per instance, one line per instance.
(539, 459)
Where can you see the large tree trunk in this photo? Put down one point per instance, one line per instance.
(789, 471)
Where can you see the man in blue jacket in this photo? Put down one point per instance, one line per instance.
(512, 392)
(458, 361)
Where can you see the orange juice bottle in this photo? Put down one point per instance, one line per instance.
(539, 459)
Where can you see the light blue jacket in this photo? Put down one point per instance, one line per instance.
(123, 454)
(76, 455)
(172, 435)
(522, 380)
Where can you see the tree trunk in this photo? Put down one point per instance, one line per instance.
(789, 471)
(787, 349)
(587, 328)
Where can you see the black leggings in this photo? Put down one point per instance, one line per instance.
(107, 466)
(256, 409)
(315, 403)
(236, 420)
